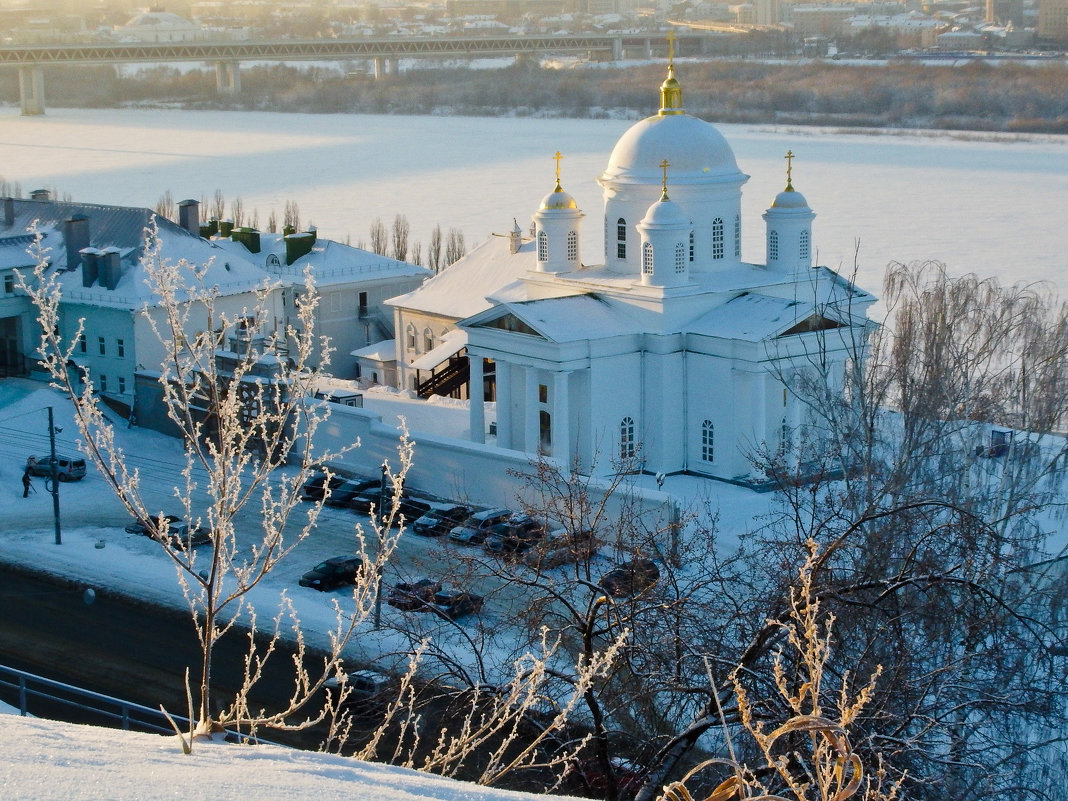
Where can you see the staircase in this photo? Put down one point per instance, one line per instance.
(448, 380)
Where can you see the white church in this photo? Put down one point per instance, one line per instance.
(674, 355)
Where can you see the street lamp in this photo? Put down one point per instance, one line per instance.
(53, 484)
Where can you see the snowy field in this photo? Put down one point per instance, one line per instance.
(989, 204)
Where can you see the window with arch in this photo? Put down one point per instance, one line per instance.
(737, 236)
(572, 246)
(543, 246)
(621, 238)
(428, 339)
(717, 238)
(680, 258)
(626, 438)
(773, 246)
(692, 240)
(647, 258)
(409, 337)
(708, 441)
(804, 248)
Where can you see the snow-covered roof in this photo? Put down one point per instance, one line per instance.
(331, 262)
(461, 290)
(122, 229)
(384, 351)
(567, 319)
(753, 318)
(451, 343)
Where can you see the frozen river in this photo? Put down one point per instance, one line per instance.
(988, 204)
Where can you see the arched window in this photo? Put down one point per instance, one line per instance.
(572, 246)
(409, 339)
(428, 340)
(708, 441)
(647, 258)
(717, 238)
(737, 236)
(691, 244)
(680, 258)
(621, 238)
(773, 246)
(804, 249)
(543, 246)
(626, 438)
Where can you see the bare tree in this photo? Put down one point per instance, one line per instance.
(379, 237)
(434, 251)
(291, 216)
(401, 231)
(272, 222)
(454, 247)
(218, 205)
(417, 254)
(237, 212)
(165, 206)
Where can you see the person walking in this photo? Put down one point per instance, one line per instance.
(27, 483)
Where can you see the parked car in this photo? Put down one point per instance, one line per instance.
(560, 548)
(473, 531)
(456, 603)
(367, 689)
(413, 596)
(411, 505)
(440, 518)
(333, 573)
(67, 468)
(516, 534)
(343, 493)
(179, 533)
(315, 487)
(630, 578)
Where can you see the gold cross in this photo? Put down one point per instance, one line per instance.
(789, 168)
(671, 46)
(557, 158)
(663, 166)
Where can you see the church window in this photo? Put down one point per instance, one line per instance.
(545, 431)
(737, 237)
(572, 246)
(773, 246)
(543, 393)
(717, 238)
(543, 246)
(621, 238)
(691, 244)
(647, 258)
(708, 441)
(680, 258)
(804, 248)
(103, 383)
(82, 346)
(626, 438)
(428, 340)
(410, 337)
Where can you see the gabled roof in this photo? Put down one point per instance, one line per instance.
(755, 318)
(461, 290)
(567, 319)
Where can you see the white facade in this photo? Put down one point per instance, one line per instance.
(675, 355)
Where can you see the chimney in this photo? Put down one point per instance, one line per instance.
(76, 235)
(226, 227)
(249, 237)
(9, 212)
(40, 194)
(298, 245)
(110, 267)
(189, 216)
(90, 266)
(515, 237)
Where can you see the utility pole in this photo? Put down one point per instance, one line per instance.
(53, 486)
(378, 556)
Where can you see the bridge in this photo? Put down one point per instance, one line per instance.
(383, 51)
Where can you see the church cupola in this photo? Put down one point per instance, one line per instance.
(665, 241)
(671, 89)
(789, 227)
(557, 226)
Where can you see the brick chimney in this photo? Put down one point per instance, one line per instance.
(189, 216)
(76, 237)
(9, 212)
(90, 266)
(110, 267)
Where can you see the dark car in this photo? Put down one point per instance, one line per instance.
(456, 603)
(343, 493)
(560, 548)
(333, 573)
(367, 690)
(410, 507)
(179, 534)
(473, 531)
(413, 596)
(67, 468)
(146, 527)
(440, 518)
(315, 487)
(630, 578)
(514, 535)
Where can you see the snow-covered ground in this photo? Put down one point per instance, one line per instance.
(49, 761)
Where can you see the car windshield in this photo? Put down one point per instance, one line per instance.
(322, 567)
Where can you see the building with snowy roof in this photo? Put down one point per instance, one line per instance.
(675, 354)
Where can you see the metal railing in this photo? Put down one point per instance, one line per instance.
(22, 687)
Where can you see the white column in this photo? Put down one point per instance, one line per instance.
(504, 404)
(531, 427)
(759, 401)
(561, 421)
(31, 90)
(476, 397)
